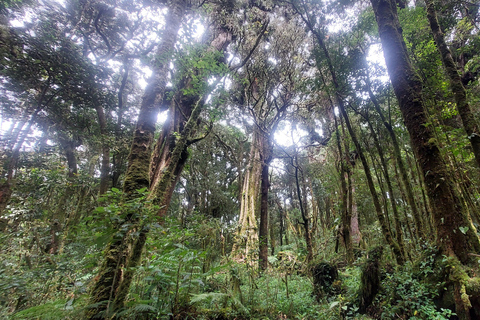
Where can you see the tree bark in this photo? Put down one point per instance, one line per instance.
(392, 198)
(303, 210)
(247, 236)
(455, 233)
(116, 257)
(140, 152)
(470, 124)
(264, 186)
(345, 213)
(401, 165)
(341, 105)
(105, 163)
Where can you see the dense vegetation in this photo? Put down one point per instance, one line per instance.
(234, 159)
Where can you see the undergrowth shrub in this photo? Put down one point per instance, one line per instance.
(408, 295)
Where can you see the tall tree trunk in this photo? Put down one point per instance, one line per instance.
(247, 237)
(456, 235)
(116, 257)
(137, 176)
(470, 124)
(118, 159)
(392, 198)
(264, 186)
(455, 232)
(19, 138)
(356, 235)
(180, 112)
(105, 163)
(341, 105)
(303, 209)
(60, 214)
(398, 156)
(345, 213)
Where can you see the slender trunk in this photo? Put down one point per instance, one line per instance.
(263, 227)
(470, 124)
(396, 248)
(392, 198)
(303, 210)
(22, 134)
(281, 219)
(118, 158)
(401, 165)
(273, 240)
(61, 212)
(341, 105)
(345, 214)
(455, 233)
(105, 164)
(356, 235)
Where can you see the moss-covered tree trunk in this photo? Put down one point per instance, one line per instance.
(455, 232)
(59, 216)
(108, 290)
(399, 161)
(344, 207)
(246, 239)
(179, 113)
(266, 157)
(470, 124)
(391, 196)
(319, 37)
(456, 235)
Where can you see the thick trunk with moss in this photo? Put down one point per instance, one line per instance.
(116, 257)
(180, 112)
(455, 232)
(470, 124)
(136, 176)
(246, 240)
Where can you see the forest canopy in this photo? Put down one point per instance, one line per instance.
(234, 159)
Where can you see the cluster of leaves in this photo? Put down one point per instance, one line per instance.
(410, 292)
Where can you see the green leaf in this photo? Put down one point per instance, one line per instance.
(463, 230)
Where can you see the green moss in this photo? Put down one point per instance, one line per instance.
(59, 309)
